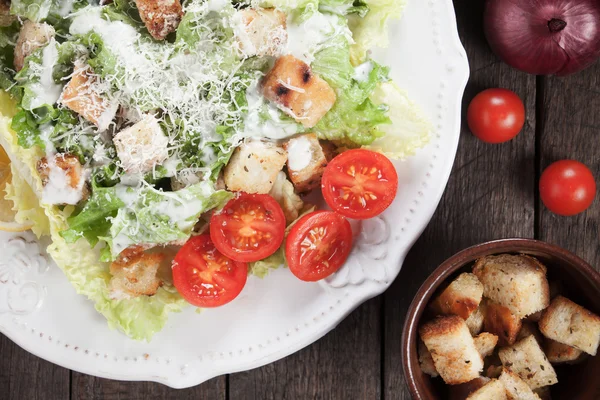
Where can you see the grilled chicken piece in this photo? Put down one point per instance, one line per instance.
(135, 275)
(297, 91)
(33, 35)
(83, 94)
(161, 17)
(260, 32)
(63, 174)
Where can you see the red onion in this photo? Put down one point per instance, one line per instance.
(544, 37)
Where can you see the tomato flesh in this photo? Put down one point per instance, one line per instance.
(567, 187)
(318, 245)
(204, 276)
(250, 227)
(359, 183)
(496, 115)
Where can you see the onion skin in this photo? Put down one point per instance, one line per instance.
(544, 37)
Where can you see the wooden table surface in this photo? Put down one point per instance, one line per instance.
(492, 193)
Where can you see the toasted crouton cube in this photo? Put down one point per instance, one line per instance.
(142, 146)
(502, 323)
(452, 348)
(569, 323)
(461, 297)
(493, 390)
(85, 95)
(529, 328)
(306, 162)
(254, 166)
(516, 388)
(559, 353)
(260, 32)
(426, 361)
(526, 359)
(63, 179)
(485, 343)
(290, 202)
(514, 281)
(33, 35)
(463, 390)
(493, 371)
(475, 320)
(135, 275)
(161, 17)
(297, 91)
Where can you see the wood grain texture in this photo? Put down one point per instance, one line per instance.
(85, 387)
(25, 376)
(490, 193)
(345, 364)
(571, 130)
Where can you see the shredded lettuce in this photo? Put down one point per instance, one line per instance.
(410, 128)
(372, 29)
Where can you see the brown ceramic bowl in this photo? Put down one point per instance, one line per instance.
(581, 284)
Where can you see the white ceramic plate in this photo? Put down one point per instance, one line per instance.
(276, 316)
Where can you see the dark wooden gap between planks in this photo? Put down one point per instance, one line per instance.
(492, 193)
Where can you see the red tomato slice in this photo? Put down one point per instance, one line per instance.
(318, 245)
(204, 276)
(360, 184)
(249, 228)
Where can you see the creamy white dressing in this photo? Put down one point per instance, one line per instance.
(362, 72)
(46, 90)
(66, 7)
(274, 127)
(216, 5)
(299, 151)
(58, 188)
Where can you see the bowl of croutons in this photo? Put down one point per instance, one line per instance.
(508, 319)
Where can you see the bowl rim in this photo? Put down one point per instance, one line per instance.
(458, 260)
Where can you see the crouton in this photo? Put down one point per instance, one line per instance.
(6, 18)
(461, 297)
(260, 32)
(85, 95)
(543, 393)
(569, 323)
(306, 162)
(283, 192)
(254, 166)
(475, 320)
(426, 361)
(161, 17)
(463, 390)
(452, 348)
(502, 323)
(526, 359)
(485, 343)
(297, 91)
(63, 179)
(493, 371)
(516, 388)
(529, 328)
(559, 353)
(32, 36)
(493, 390)
(535, 317)
(142, 146)
(514, 281)
(135, 275)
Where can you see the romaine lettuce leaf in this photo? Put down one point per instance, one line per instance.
(263, 267)
(139, 318)
(354, 118)
(410, 128)
(344, 7)
(35, 10)
(372, 30)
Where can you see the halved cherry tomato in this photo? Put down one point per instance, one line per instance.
(496, 115)
(204, 276)
(318, 245)
(567, 187)
(249, 228)
(359, 184)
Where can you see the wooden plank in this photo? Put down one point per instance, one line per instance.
(572, 131)
(91, 388)
(490, 194)
(25, 376)
(345, 364)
